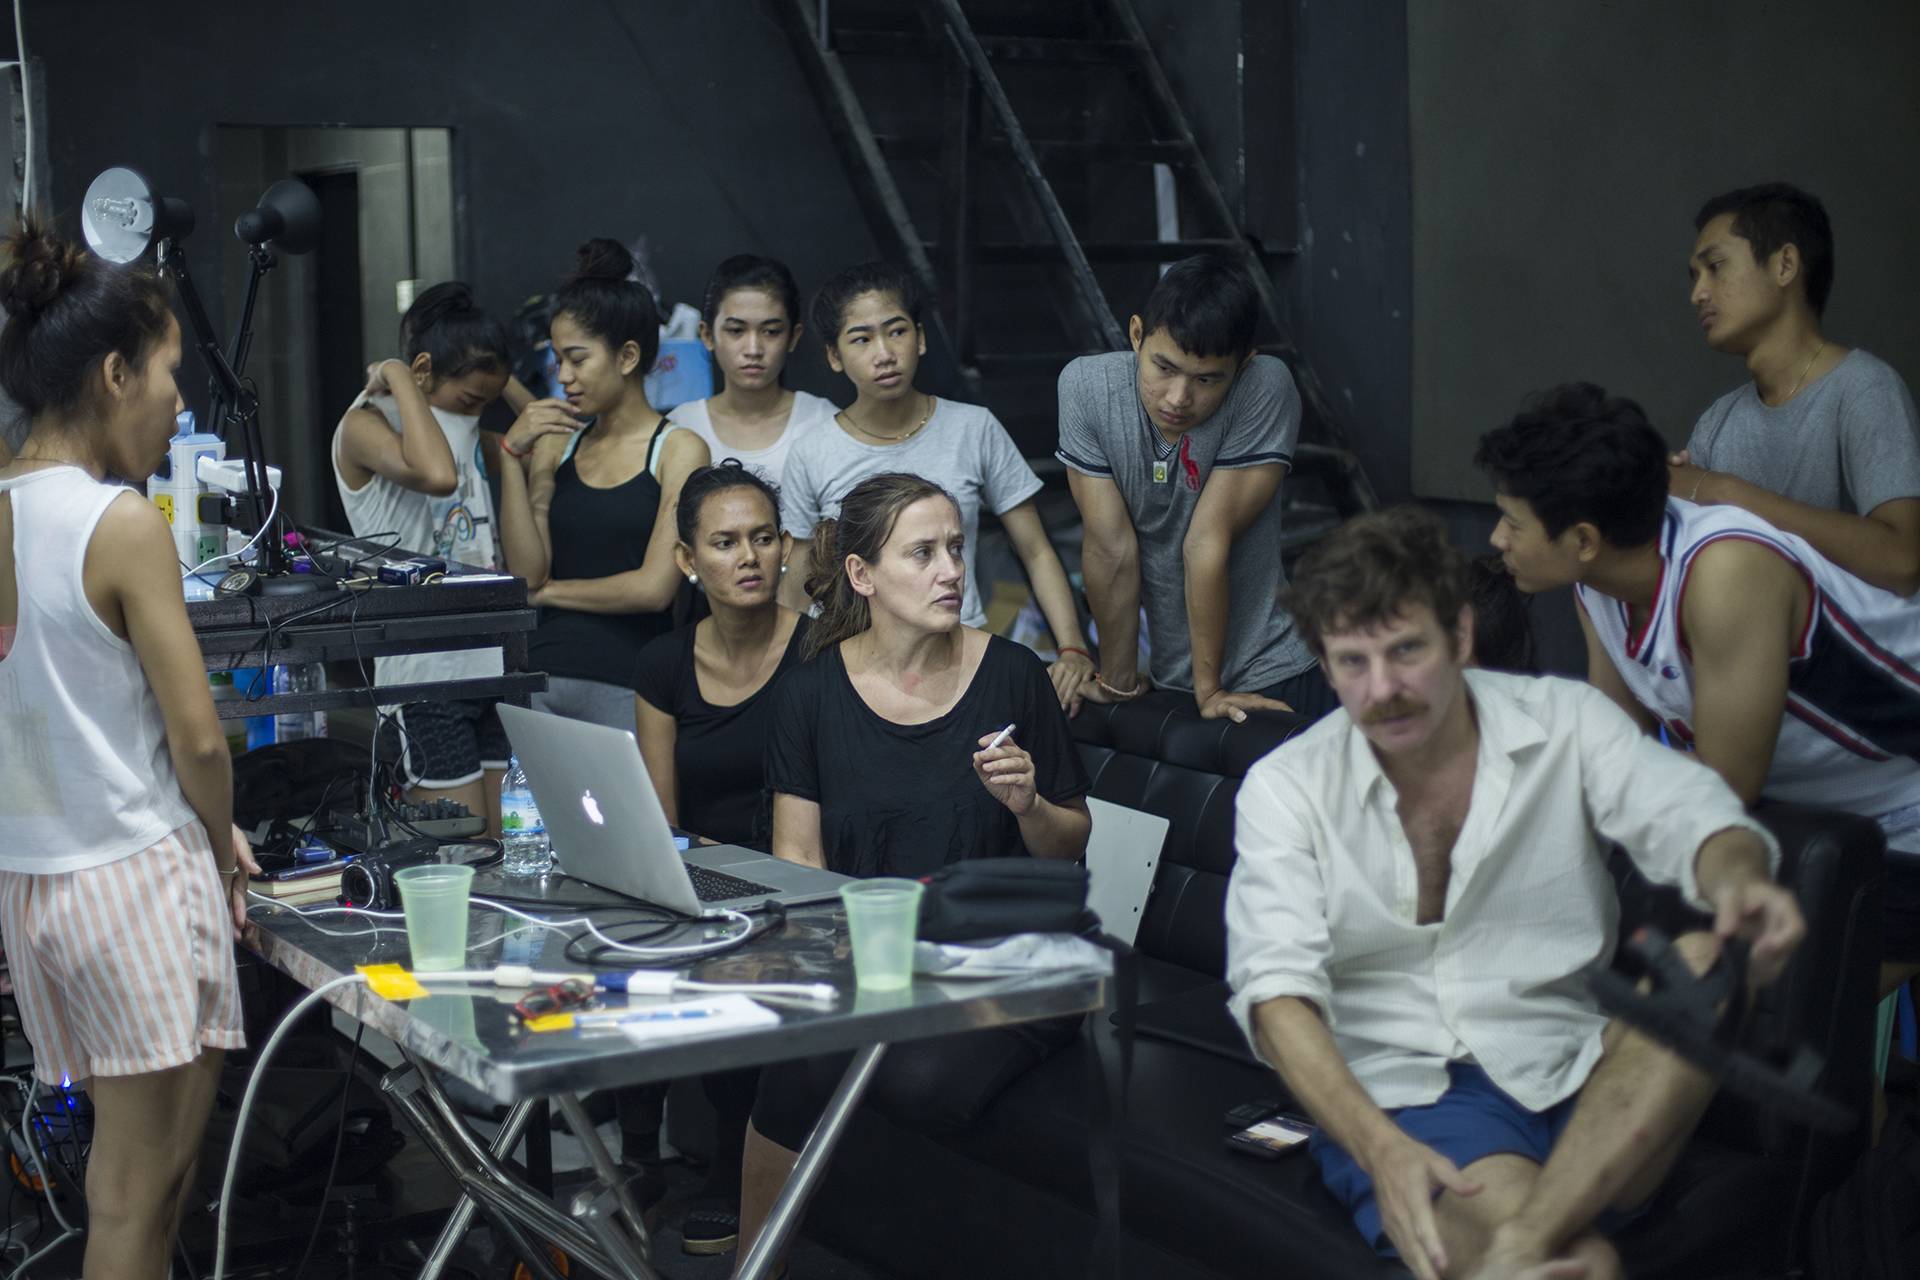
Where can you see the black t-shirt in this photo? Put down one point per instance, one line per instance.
(718, 752)
(902, 799)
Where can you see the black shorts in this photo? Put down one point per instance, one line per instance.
(444, 745)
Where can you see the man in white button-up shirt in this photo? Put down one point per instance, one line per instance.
(1420, 890)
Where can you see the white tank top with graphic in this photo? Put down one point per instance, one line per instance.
(1850, 738)
(459, 526)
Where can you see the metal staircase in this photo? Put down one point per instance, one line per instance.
(1040, 213)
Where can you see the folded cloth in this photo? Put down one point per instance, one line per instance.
(1007, 957)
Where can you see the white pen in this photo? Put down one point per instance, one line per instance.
(1000, 737)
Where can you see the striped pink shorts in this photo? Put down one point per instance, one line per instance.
(125, 968)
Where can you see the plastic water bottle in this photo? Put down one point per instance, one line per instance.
(303, 677)
(523, 836)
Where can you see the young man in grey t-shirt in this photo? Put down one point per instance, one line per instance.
(1175, 452)
(1822, 441)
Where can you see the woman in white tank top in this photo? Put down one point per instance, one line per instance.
(122, 878)
(750, 321)
(411, 464)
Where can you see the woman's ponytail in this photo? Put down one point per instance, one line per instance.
(842, 610)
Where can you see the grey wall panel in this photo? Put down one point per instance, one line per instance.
(1559, 153)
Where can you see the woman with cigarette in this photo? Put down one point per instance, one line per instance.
(908, 742)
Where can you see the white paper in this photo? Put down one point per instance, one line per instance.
(690, 1019)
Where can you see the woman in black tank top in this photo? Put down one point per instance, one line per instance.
(587, 517)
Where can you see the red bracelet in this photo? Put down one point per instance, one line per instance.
(509, 450)
(1068, 648)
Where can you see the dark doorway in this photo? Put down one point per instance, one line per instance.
(334, 284)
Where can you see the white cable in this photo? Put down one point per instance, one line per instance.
(331, 933)
(67, 1230)
(26, 110)
(696, 949)
(557, 926)
(304, 912)
(273, 509)
(246, 1107)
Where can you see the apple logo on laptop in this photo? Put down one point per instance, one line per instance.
(592, 807)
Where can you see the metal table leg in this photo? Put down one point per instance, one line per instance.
(525, 1217)
(461, 1219)
(601, 1214)
(812, 1165)
(604, 1167)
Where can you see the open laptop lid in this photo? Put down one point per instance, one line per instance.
(599, 806)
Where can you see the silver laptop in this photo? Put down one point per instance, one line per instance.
(608, 829)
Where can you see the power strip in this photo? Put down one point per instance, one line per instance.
(351, 831)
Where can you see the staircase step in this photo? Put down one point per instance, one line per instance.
(876, 42)
(1132, 152)
(991, 252)
(1023, 363)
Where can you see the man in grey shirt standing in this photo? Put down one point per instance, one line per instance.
(1822, 441)
(1175, 452)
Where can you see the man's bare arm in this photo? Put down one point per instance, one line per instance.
(1231, 502)
(1604, 676)
(1744, 611)
(1881, 547)
(1110, 566)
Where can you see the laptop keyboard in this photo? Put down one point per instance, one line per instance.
(717, 886)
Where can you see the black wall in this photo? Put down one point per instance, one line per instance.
(1301, 108)
(688, 121)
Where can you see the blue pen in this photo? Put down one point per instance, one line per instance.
(612, 1018)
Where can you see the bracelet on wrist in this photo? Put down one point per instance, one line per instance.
(1134, 692)
(1066, 649)
(509, 450)
(226, 872)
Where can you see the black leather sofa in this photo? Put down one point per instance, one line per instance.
(1013, 1196)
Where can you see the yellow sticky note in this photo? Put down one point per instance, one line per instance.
(391, 982)
(550, 1022)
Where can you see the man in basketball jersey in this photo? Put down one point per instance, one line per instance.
(1783, 672)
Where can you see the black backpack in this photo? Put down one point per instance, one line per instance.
(1868, 1227)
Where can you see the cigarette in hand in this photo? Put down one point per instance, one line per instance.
(1000, 737)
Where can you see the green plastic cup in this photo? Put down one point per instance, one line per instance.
(434, 899)
(883, 917)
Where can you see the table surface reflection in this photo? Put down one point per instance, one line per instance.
(473, 1034)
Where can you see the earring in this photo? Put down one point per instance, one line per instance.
(783, 568)
(693, 579)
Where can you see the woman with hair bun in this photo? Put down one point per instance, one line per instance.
(122, 877)
(750, 322)
(882, 760)
(588, 491)
(410, 462)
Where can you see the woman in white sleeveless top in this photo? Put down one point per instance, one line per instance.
(411, 464)
(750, 321)
(122, 878)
